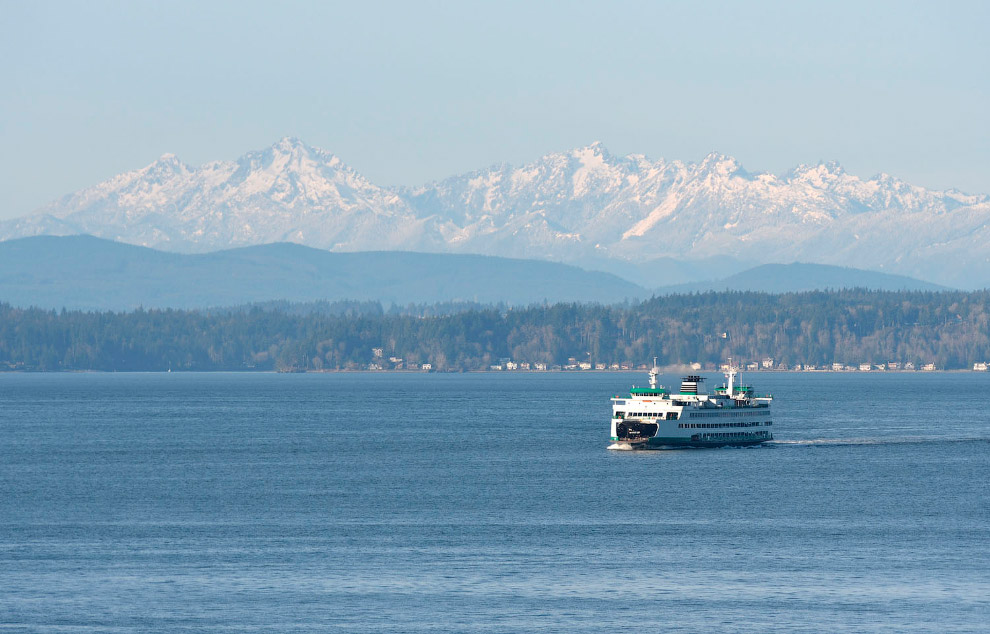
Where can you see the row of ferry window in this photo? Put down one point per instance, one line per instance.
(721, 414)
(716, 425)
(670, 415)
(737, 434)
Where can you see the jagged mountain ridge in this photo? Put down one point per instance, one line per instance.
(575, 206)
(637, 208)
(288, 192)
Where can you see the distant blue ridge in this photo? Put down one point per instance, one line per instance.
(84, 272)
(89, 273)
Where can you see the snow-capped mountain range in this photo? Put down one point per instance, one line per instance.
(580, 206)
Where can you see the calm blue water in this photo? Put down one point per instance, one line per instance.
(485, 503)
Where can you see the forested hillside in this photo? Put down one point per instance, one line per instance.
(949, 329)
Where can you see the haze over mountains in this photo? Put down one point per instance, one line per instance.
(583, 206)
(83, 272)
(88, 273)
(800, 277)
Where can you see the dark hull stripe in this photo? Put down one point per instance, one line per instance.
(656, 443)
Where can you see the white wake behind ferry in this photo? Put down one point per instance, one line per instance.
(653, 417)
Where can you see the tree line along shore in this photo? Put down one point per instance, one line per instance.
(822, 330)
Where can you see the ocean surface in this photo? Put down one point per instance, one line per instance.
(485, 503)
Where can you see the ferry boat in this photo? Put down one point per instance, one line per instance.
(653, 417)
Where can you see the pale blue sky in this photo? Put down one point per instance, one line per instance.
(411, 92)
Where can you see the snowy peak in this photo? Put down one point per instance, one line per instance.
(593, 170)
(291, 153)
(718, 163)
(594, 156)
(291, 156)
(292, 145)
(166, 168)
(718, 171)
(292, 173)
(169, 163)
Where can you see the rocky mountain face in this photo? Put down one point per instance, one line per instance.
(582, 206)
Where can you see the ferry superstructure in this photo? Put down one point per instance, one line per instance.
(653, 417)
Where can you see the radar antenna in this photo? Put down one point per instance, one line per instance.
(730, 374)
(654, 373)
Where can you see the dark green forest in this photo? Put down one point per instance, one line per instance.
(949, 329)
